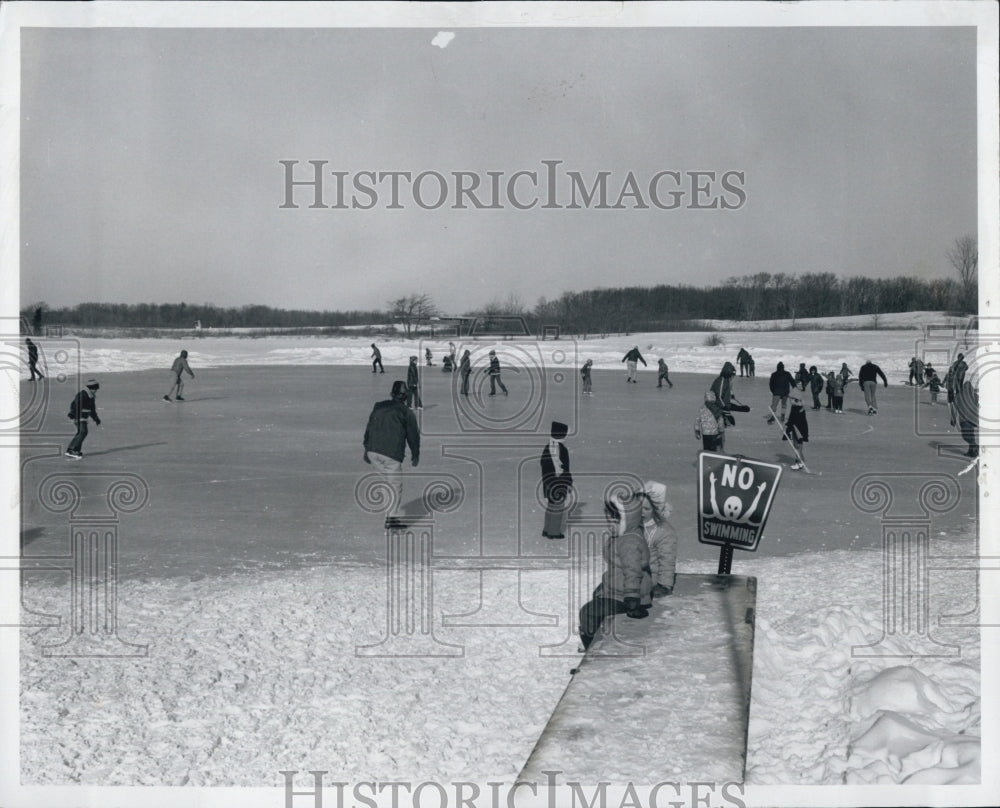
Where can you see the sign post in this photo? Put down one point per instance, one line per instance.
(734, 499)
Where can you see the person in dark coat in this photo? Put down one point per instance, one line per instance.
(743, 360)
(867, 379)
(557, 482)
(967, 404)
(953, 381)
(627, 584)
(377, 360)
(781, 384)
(465, 370)
(177, 369)
(816, 384)
(802, 376)
(588, 389)
(494, 371)
(33, 359)
(632, 360)
(392, 427)
(83, 407)
(719, 404)
(664, 373)
(428, 356)
(413, 385)
(796, 428)
(751, 365)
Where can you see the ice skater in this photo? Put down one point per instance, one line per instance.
(967, 404)
(413, 385)
(743, 360)
(631, 360)
(867, 379)
(177, 369)
(588, 389)
(796, 429)
(934, 386)
(802, 376)
(816, 383)
(557, 482)
(33, 359)
(83, 407)
(953, 381)
(494, 372)
(664, 374)
(720, 402)
(428, 356)
(392, 427)
(839, 383)
(780, 384)
(830, 380)
(377, 360)
(465, 370)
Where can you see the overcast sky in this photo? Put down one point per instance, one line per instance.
(150, 159)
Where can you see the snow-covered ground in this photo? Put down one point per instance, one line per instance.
(261, 673)
(834, 340)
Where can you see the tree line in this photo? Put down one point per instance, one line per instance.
(761, 296)
(185, 315)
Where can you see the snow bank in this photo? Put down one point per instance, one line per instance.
(251, 674)
(824, 713)
(684, 352)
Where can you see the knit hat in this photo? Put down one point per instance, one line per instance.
(657, 493)
(559, 430)
(92, 384)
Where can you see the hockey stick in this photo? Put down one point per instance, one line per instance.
(781, 428)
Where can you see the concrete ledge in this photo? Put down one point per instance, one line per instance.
(666, 698)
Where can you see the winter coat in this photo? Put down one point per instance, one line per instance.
(708, 424)
(392, 427)
(628, 573)
(796, 425)
(466, 365)
(868, 373)
(816, 383)
(662, 541)
(180, 366)
(494, 369)
(84, 405)
(555, 485)
(633, 356)
(412, 375)
(781, 382)
(585, 371)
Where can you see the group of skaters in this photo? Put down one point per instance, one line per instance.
(449, 364)
(83, 407)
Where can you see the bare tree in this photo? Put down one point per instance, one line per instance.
(964, 257)
(410, 310)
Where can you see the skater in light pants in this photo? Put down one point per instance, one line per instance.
(631, 360)
(392, 427)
